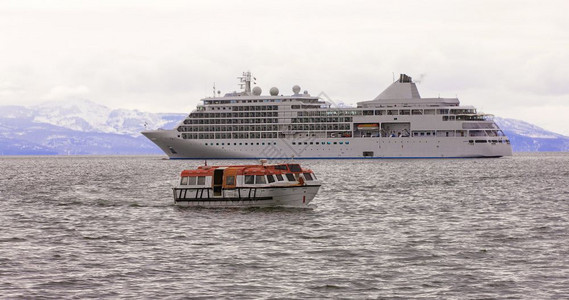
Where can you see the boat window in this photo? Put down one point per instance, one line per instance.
(260, 179)
(294, 168)
(249, 179)
(201, 180)
(270, 178)
(230, 180)
(307, 176)
(280, 167)
(290, 177)
(280, 177)
(184, 180)
(192, 180)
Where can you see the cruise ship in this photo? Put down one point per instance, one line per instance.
(398, 123)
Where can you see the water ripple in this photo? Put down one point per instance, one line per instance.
(384, 229)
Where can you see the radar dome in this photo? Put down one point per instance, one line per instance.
(257, 91)
(296, 89)
(274, 91)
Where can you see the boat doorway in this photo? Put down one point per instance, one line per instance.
(217, 182)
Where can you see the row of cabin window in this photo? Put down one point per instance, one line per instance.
(234, 108)
(249, 179)
(465, 118)
(241, 135)
(200, 180)
(328, 112)
(260, 179)
(245, 120)
(318, 143)
(368, 112)
(228, 128)
(235, 144)
(322, 120)
(235, 115)
(193, 180)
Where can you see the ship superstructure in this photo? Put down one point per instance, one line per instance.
(398, 123)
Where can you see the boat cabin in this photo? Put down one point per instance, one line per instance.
(231, 177)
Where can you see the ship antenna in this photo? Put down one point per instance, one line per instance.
(214, 90)
(245, 82)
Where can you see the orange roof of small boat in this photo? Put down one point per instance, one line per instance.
(248, 170)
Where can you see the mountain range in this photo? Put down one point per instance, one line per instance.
(82, 127)
(79, 127)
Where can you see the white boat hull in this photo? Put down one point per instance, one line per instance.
(291, 196)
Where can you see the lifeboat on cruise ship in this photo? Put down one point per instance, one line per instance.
(287, 185)
(372, 126)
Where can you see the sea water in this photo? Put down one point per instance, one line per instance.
(107, 227)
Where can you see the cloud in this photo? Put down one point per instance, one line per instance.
(66, 92)
(166, 56)
(9, 89)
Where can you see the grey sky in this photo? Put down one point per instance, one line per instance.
(509, 58)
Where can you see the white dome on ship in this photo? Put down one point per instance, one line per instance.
(274, 91)
(296, 89)
(257, 91)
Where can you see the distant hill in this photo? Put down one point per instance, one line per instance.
(526, 137)
(78, 127)
(85, 127)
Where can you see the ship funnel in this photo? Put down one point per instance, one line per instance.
(405, 78)
(404, 88)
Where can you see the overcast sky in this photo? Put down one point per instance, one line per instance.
(507, 58)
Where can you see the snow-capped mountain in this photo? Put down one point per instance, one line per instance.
(78, 127)
(85, 127)
(526, 137)
(88, 116)
(526, 129)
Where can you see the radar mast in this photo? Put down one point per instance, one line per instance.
(245, 82)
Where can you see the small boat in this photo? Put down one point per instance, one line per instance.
(263, 185)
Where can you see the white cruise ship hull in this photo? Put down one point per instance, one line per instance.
(336, 148)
